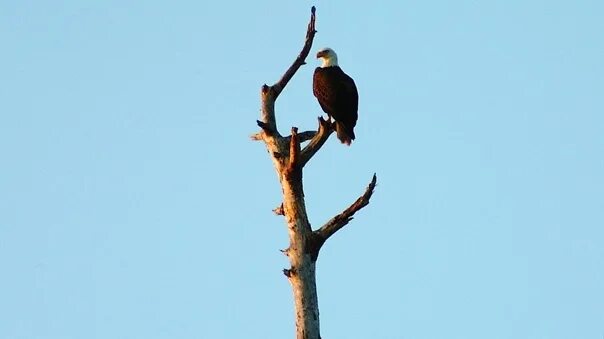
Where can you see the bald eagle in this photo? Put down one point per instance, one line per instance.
(337, 94)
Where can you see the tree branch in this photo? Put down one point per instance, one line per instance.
(294, 150)
(268, 123)
(342, 219)
(317, 141)
(279, 210)
(300, 60)
(256, 136)
(267, 128)
(269, 94)
(304, 136)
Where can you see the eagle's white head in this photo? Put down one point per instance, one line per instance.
(328, 57)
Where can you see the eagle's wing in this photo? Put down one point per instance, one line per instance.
(348, 90)
(325, 92)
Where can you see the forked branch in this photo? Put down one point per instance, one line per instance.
(269, 94)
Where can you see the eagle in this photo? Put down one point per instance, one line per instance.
(337, 94)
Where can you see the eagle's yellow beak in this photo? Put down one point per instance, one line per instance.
(321, 54)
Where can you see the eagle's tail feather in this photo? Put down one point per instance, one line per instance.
(345, 134)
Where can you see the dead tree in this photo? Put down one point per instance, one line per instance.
(289, 158)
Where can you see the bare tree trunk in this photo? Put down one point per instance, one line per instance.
(289, 160)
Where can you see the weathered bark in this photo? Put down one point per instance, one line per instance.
(289, 159)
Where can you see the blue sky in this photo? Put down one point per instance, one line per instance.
(134, 205)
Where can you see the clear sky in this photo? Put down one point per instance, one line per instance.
(133, 204)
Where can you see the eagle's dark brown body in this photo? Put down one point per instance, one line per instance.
(337, 94)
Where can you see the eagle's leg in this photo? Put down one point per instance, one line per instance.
(332, 124)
